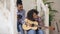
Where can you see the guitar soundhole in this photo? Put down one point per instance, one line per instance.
(32, 25)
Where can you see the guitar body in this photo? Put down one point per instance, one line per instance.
(28, 27)
(28, 23)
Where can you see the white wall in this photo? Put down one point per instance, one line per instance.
(7, 18)
(28, 4)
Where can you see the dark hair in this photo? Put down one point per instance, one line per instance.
(30, 14)
(19, 2)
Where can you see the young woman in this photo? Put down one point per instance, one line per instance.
(31, 24)
(31, 15)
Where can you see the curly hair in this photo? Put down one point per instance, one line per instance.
(30, 14)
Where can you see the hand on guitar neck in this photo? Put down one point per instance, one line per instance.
(50, 28)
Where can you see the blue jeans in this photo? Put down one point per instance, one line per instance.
(35, 32)
(19, 28)
(39, 31)
(31, 32)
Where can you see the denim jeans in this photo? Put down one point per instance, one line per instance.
(20, 29)
(39, 31)
(31, 32)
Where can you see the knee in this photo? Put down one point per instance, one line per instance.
(40, 31)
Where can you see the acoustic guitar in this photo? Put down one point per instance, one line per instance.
(28, 25)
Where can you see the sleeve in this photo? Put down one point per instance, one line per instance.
(24, 14)
(40, 22)
(23, 18)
